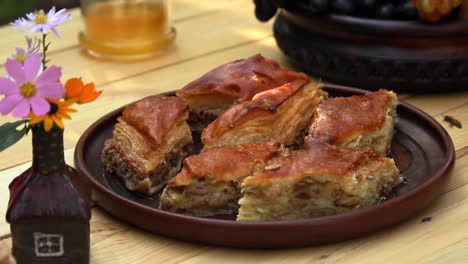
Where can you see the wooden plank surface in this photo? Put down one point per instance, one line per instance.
(211, 33)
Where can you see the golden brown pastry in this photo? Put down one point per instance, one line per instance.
(357, 121)
(319, 180)
(234, 82)
(283, 114)
(149, 143)
(209, 183)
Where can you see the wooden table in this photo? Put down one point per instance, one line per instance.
(211, 33)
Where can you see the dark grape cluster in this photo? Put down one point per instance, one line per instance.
(264, 9)
(380, 9)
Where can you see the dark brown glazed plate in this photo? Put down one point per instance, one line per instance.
(421, 148)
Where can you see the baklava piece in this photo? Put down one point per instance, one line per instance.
(357, 121)
(149, 142)
(283, 114)
(234, 82)
(210, 183)
(319, 180)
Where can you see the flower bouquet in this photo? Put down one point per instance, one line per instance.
(32, 90)
(49, 207)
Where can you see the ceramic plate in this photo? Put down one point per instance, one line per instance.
(422, 149)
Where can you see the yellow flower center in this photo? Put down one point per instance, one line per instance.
(41, 18)
(28, 89)
(21, 57)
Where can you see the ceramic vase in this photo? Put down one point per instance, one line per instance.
(49, 207)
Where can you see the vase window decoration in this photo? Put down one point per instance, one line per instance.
(49, 206)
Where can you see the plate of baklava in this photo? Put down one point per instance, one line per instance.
(255, 155)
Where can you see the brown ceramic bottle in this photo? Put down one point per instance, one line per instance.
(49, 207)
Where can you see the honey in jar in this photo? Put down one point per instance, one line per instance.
(126, 29)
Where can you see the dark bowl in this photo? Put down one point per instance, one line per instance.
(404, 56)
(422, 149)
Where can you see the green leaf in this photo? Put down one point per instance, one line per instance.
(9, 134)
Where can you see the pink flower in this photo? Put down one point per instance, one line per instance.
(38, 21)
(25, 89)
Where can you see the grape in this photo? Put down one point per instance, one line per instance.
(281, 3)
(385, 11)
(343, 6)
(406, 10)
(321, 5)
(264, 9)
(366, 8)
(309, 6)
(366, 4)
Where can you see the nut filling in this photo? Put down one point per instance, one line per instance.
(199, 120)
(156, 180)
(202, 200)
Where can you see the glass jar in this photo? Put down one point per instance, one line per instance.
(126, 29)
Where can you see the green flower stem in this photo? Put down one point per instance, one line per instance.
(44, 49)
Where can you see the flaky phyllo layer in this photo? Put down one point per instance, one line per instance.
(319, 180)
(281, 114)
(148, 144)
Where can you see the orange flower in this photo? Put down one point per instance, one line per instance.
(58, 110)
(83, 93)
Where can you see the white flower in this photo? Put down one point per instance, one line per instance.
(33, 48)
(38, 21)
